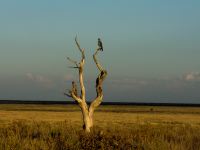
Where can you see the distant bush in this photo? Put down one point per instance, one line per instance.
(23, 135)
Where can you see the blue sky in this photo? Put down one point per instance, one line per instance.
(152, 48)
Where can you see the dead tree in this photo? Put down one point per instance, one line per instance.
(87, 110)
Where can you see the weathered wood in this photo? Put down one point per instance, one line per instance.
(87, 113)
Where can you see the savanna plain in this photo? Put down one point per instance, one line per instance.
(59, 127)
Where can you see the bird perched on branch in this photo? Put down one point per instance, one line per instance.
(100, 45)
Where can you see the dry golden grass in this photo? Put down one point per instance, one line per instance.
(116, 127)
(104, 115)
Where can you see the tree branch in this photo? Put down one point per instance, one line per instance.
(80, 49)
(96, 62)
(69, 95)
(74, 62)
(99, 83)
(81, 68)
(74, 93)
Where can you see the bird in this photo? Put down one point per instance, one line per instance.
(100, 45)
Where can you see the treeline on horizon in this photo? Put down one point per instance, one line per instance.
(103, 103)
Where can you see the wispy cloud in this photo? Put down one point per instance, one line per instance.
(192, 76)
(129, 81)
(40, 79)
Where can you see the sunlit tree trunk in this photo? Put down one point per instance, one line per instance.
(87, 111)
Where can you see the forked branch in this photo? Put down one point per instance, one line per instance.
(80, 67)
(74, 62)
(73, 93)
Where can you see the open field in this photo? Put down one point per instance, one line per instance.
(103, 115)
(31, 126)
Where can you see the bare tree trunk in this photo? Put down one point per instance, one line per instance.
(87, 113)
(87, 120)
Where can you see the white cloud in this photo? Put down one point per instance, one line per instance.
(192, 76)
(40, 79)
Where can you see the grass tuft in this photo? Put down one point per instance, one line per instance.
(26, 135)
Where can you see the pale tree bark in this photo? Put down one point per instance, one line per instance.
(87, 111)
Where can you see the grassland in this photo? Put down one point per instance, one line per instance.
(116, 127)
